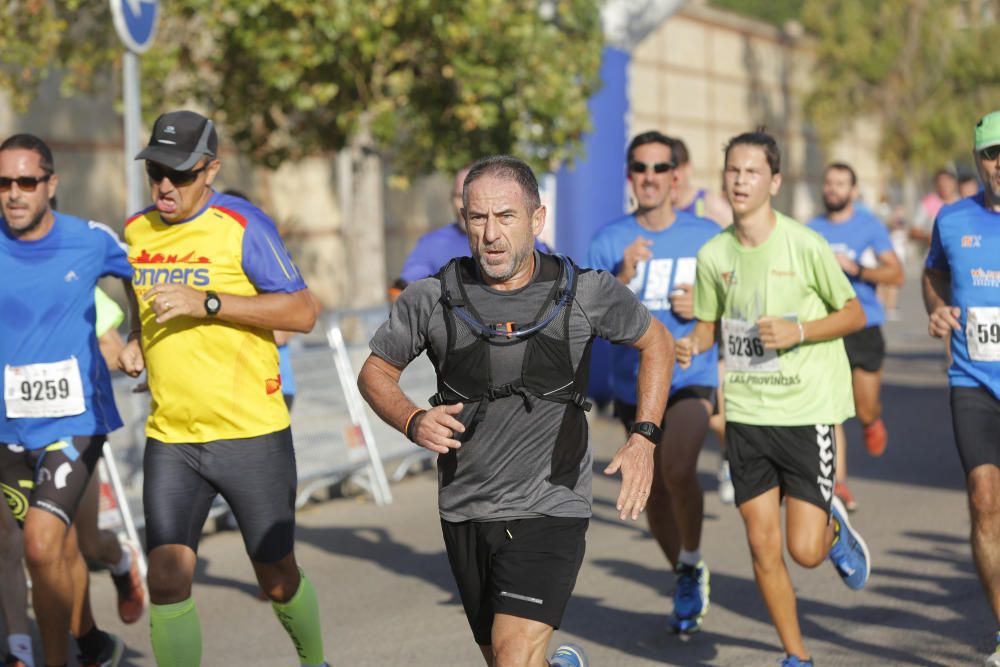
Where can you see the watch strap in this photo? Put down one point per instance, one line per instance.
(648, 430)
(210, 297)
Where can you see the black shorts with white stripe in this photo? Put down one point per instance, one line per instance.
(521, 567)
(800, 460)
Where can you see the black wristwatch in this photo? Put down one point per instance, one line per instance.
(648, 430)
(212, 303)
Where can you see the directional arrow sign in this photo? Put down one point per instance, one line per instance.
(135, 22)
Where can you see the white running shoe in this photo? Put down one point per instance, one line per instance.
(727, 494)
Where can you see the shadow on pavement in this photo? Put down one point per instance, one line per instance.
(376, 546)
(646, 635)
(739, 595)
(921, 449)
(203, 578)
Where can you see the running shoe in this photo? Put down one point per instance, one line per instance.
(876, 437)
(131, 594)
(691, 597)
(11, 661)
(796, 661)
(568, 655)
(849, 553)
(727, 494)
(994, 660)
(841, 490)
(110, 655)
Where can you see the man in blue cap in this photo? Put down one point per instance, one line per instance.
(961, 285)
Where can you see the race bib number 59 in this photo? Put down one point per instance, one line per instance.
(744, 350)
(982, 334)
(43, 390)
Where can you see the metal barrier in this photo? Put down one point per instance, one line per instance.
(337, 437)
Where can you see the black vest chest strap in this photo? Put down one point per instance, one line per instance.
(547, 371)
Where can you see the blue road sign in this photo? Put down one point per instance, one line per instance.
(135, 21)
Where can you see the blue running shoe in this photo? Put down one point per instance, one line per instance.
(568, 655)
(849, 553)
(796, 661)
(994, 660)
(691, 597)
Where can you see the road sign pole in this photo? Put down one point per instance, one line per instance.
(134, 181)
(135, 22)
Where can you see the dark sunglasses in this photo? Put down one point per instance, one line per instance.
(990, 153)
(157, 172)
(24, 183)
(637, 167)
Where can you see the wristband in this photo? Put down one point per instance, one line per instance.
(411, 422)
(802, 333)
(133, 335)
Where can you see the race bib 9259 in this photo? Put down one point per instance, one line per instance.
(43, 390)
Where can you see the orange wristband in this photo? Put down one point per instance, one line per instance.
(410, 422)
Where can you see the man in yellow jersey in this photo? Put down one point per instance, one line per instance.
(211, 281)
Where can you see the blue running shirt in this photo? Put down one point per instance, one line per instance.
(47, 301)
(862, 238)
(285, 368)
(698, 204)
(966, 243)
(674, 261)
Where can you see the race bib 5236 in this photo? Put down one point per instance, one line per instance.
(744, 350)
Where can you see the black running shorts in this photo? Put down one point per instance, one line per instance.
(256, 477)
(51, 478)
(975, 417)
(866, 349)
(626, 411)
(524, 567)
(800, 460)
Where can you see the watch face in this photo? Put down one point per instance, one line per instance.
(212, 304)
(648, 430)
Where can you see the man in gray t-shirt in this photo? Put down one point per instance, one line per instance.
(509, 333)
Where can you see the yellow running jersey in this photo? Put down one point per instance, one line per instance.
(210, 379)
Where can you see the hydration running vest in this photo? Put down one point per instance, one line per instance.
(547, 371)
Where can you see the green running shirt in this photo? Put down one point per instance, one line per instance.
(794, 275)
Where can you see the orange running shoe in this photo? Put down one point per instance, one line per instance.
(131, 594)
(876, 437)
(841, 491)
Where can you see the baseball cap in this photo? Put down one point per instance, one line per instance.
(988, 131)
(180, 139)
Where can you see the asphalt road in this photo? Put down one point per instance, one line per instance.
(387, 596)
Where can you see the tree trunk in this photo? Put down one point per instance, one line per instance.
(360, 191)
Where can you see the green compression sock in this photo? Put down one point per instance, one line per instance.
(300, 618)
(176, 634)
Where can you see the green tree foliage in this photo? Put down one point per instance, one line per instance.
(926, 70)
(772, 11)
(431, 84)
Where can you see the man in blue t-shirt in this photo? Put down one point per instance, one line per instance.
(57, 405)
(436, 247)
(652, 250)
(863, 247)
(961, 285)
(687, 197)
